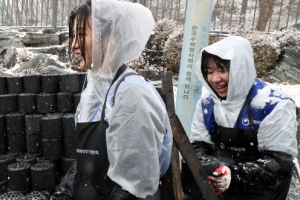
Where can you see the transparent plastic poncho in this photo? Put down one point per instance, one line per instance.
(120, 31)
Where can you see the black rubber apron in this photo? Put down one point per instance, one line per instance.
(237, 145)
(92, 182)
(234, 144)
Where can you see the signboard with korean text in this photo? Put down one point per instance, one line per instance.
(196, 34)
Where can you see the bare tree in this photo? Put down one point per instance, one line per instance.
(17, 13)
(26, 11)
(21, 10)
(265, 8)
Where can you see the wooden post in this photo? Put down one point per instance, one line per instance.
(189, 155)
(171, 181)
(181, 141)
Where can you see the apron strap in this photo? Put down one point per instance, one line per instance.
(118, 74)
(118, 84)
(246, 103)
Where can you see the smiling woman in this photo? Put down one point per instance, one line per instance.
(246, 124)
(80, 34)
(216, 73)
(124, 138)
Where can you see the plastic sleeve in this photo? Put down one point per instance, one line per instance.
(64, 190)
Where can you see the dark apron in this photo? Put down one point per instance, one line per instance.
(237, 145)
(234, 144)
(92, 182)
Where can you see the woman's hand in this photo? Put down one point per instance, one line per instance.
(220, 179)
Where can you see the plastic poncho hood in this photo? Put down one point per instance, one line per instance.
(242, 76)
(120, 31)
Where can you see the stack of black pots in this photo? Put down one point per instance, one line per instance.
(37, 131)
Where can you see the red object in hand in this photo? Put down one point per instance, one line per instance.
(220, 179)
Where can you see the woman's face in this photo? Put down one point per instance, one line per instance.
(218, 78)
(86, 61)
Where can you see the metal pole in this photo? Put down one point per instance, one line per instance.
(288, 17)
(271, 15)
(254, 14)
(223, 15)
(244, 10)
(54, 13)
(279, 15)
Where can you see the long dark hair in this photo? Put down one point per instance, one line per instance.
(81, 14)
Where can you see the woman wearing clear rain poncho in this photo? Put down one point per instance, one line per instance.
(249, 126)
(124, 135)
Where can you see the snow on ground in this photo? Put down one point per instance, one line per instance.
(292, 90)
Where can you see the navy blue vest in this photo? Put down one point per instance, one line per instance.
(258, 114)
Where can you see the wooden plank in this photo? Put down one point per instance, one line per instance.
(167, 90)
(183, 143)
(189, 155)
(170, 187)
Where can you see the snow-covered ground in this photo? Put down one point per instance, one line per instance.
(292, 90)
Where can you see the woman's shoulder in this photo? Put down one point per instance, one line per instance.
(266, 93)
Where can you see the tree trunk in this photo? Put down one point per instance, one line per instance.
(265, 7)
(18, 13)
(37, 13)
(31, 13)
(26, 11)
(22, 10)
